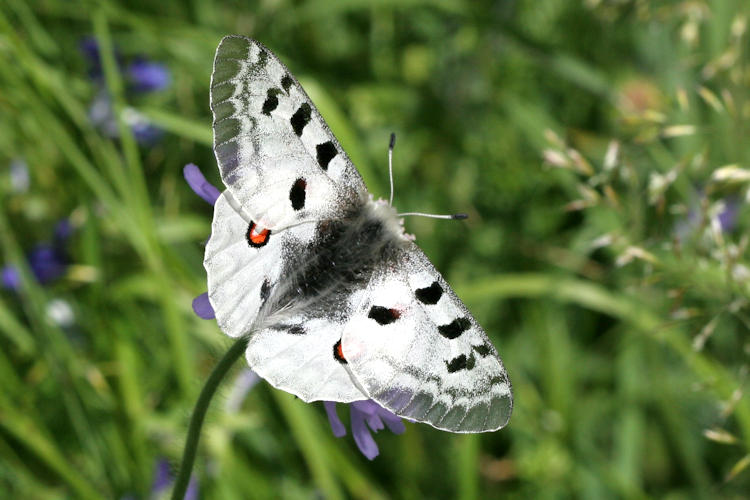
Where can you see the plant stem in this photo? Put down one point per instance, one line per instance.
(199, 413)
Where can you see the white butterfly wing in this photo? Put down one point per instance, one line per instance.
(297, 356)
(413, 347)
(241, 275)
(276, 155)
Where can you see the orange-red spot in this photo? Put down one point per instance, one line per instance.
(338, 353)
(257, 238)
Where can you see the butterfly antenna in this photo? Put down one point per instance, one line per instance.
(390, 173)
(390, 163)
(437, 216)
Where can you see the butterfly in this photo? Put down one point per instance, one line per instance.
(338, 302)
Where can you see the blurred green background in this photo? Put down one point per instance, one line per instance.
(599, 147)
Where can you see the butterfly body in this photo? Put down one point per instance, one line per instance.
(320, 276)
(337, 300)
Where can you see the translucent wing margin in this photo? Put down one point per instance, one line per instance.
(412, 345)
(276, 155)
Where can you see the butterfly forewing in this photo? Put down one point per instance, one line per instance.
(276, 154)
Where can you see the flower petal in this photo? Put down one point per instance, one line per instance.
(46, 263)
(11, 278)
(199, 184)
(728, 216)
(162, 477)
(367, 406)
(202, 307)
(362, 436)
(243, 384)
(393, 422)
(192, 489)
(333, 418)
(375, 423)
(63, 230)
(148, 76)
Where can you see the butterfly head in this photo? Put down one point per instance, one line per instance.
(383, 211)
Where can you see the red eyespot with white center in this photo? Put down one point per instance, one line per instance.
(257, 237)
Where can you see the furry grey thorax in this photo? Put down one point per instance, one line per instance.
(320, 276)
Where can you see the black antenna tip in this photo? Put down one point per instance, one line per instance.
(459, 216)
(393, 141)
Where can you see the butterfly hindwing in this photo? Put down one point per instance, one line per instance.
(299, 355)
(414, 348)
(244, 264)
(276, 155)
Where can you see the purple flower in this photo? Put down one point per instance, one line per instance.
(202, 307)
(47, 261)
(162, 477)
(89, 47)
(102, 115)
(147, 76)
(728, 216)
(366, 416)
(63, 231)
(364, 412)
(11, 278)
(163, 481)
(142, 75)
(199, 184)
(242, 386)
(143, 130)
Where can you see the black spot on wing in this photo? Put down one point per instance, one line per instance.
(457, 363)
(325, 152)
(262, 59)
(265, 290)
(431, 294)
(383, 315)
(454, 328)
(286, 83)
(482, 349)
(300, 118)
(289, 328)
(271, 102)
(460, 363)
(297, 194)
(296, 330)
